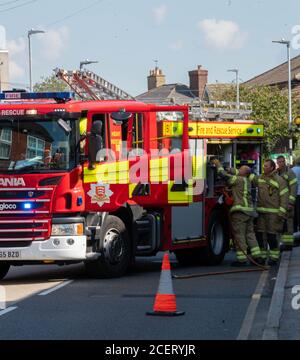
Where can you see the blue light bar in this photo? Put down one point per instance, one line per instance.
(14, 95)
(27, 206)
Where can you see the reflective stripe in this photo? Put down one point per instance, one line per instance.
(287, 239)
(240, 256)
(274, 183)
(292, 199)
(246, 193)
(198, 168)
(181, 197)
(255, 252)
(108, 173)
(263, 254)
(281, 209)
(241, 208)
(262, 181)
(274, 254)
(284, 191)
(232, 180)
(159, 170)
(292, 182)
(268, 210)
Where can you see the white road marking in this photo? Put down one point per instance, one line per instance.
(251, 311)
(8, 310)
(47, 292)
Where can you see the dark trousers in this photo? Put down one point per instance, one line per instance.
(297, 215)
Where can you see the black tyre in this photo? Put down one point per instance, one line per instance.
(115, 250)
(214, 252)
(4, 268)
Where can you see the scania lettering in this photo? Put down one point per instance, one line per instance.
(104, 181)
(12, 182)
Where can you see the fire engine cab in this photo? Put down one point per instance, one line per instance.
(102, 182)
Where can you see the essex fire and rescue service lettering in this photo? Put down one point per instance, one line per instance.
(12, 182)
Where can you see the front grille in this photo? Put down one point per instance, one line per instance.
(21, 194)
(24, 214)
(24, 230)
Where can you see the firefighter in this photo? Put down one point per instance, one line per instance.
(241, 214)
(291, 181)
(83, 132)
(273, 198)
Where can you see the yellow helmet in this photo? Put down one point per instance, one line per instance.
(83, 126)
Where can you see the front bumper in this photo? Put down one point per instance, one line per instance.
(54, 249)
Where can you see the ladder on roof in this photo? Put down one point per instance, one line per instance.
(220, 110)
(89, 86)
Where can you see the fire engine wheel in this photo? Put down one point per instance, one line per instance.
(4, 268)
(214, 252)
(114, 248)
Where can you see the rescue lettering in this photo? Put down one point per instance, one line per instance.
(13, 182)
(12, 112)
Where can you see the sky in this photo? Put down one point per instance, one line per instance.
(128, 36)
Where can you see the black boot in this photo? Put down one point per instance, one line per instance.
(285, 247)
(259, 261)
(272, 262)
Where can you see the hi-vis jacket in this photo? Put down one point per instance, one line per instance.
(241, 191)
(273, 194)
(292, 183)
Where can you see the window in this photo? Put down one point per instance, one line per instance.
(170, 130)
(35, 147)
(5, 143)
(138, 138)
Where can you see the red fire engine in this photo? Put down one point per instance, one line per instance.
(102, 182)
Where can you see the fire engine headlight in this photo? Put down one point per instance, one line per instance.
(67, 229)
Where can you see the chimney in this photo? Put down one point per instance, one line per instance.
(198, 81)
(156, 79)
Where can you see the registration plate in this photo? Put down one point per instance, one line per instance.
(10, 255)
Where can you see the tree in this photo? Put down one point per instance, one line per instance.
(51, 83)
(270, 107)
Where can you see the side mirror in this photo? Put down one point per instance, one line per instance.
(121, 118)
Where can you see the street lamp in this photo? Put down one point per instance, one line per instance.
(236, 71)
(288, 46)
(31, 32)
(87, 62)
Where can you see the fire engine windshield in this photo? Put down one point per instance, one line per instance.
(33, 145)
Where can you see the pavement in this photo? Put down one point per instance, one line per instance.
(283, 320)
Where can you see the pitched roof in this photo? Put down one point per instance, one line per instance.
(170, 93)
(216, 92)
(277, 75)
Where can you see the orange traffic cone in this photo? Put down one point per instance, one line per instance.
(165, 301)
